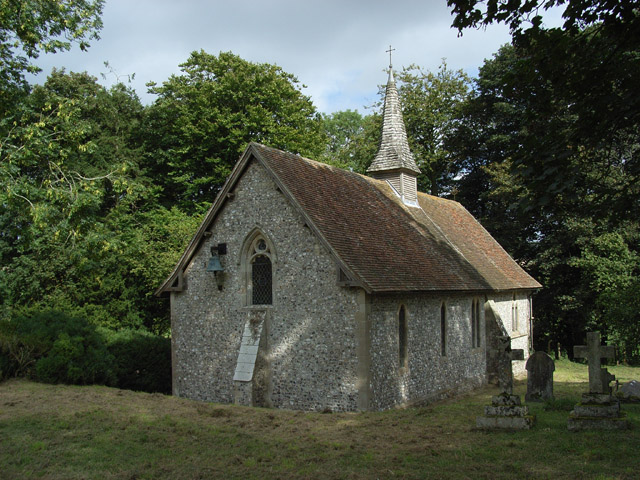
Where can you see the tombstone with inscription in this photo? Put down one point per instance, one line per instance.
(505, 411)
(540, 368)
(598, 410)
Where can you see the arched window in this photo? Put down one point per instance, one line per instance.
(261, 279)
(514, 314)
(259, 272)
(402, 337)
(443, 330)
(475, 323)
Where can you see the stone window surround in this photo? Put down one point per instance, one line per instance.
(246, 255)
(515, 320)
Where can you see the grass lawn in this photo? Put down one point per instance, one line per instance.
(67, 432)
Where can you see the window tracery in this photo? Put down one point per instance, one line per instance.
(261, 272)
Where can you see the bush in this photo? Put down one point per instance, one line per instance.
(143, 360)
(53, 347)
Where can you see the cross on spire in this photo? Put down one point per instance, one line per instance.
(389, 52)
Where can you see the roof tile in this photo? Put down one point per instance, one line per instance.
(388, 245)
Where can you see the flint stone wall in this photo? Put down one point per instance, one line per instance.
(319, 350)
(429, 375)
(520, 337)
(311, 356)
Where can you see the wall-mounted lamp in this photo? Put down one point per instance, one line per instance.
(214, 264)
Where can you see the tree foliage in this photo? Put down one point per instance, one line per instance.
(527, 16)
(549, 147)
(204, 118)
(430, 106)
(80, 226)
(340, 130)
(580, 86)
(29, 27)
(352, 139)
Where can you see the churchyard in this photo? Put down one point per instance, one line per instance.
(56, 432)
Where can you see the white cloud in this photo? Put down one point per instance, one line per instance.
(335, 47)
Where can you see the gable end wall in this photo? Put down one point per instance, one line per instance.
(311, 351)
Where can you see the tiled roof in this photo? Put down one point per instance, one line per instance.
(386, 245)
(393, 151)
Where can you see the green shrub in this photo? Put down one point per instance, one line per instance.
(54, 347)
(143, 360)
(78, 360)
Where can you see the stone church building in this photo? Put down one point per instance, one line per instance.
(310, 287)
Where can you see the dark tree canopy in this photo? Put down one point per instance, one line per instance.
(519, 15)
(550, 144)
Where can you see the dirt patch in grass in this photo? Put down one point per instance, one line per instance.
(54, 431)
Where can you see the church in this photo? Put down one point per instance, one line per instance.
(313, 288)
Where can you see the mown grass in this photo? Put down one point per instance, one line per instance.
(63, 432)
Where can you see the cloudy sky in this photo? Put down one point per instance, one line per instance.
(335, 47)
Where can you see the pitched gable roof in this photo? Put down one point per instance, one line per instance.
(382, 244)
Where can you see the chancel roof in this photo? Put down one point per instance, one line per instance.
(380, 243)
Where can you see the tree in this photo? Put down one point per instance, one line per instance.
(530, 166)
(341, 129)
(204, 118)
(585, 79)
(431, 103)
(29, 27)
(619, 15)
(572, 154)
(80, 229)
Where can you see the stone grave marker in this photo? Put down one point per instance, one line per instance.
(599, 378)
(505, 411)
(540, 368)
(598, 410)
(630, 391)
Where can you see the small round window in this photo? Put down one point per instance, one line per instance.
(261, 246)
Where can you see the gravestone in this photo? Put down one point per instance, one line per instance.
(599, 378)
(630, 392)
(540, 368)
(505, 411)
(598, 410)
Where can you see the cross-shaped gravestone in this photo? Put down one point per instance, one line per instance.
(599, 378)
(505, 356)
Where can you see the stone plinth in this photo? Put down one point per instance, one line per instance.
(506, 412)
(597, 411)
